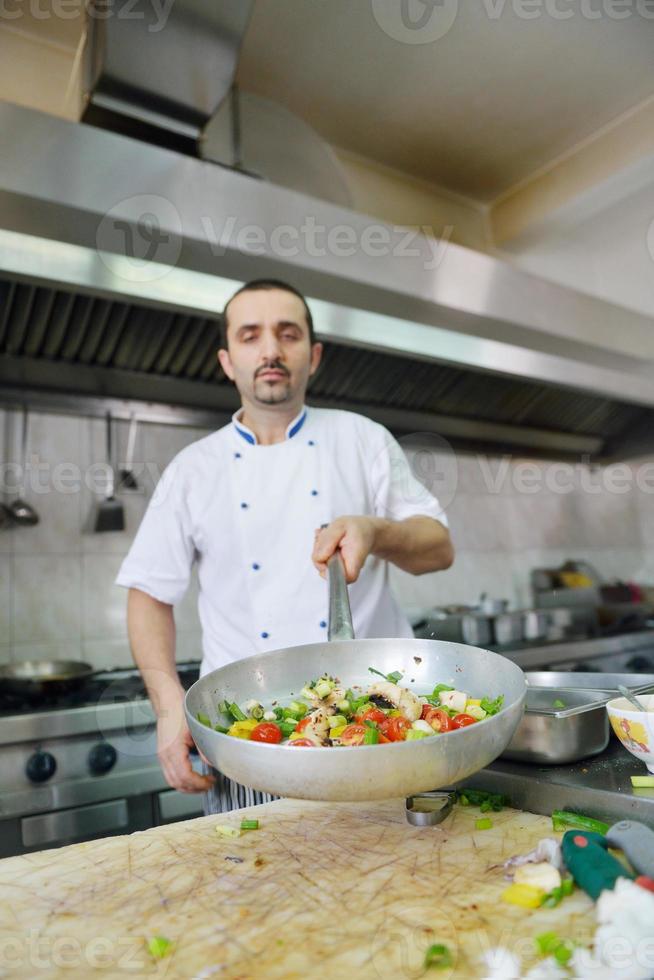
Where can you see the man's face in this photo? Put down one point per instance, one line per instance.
(269, 358)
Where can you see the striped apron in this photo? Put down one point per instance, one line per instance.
(226, 795)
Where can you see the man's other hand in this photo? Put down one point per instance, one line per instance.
(174, 741)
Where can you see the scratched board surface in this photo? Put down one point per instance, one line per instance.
(340, 890)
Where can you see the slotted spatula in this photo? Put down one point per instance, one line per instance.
(111, 514)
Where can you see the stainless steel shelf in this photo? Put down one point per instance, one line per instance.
(532, 656)
(599, 787)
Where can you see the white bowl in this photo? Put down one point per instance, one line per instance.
(635, 729)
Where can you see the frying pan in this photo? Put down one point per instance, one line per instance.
(367, 772)
(37, 679)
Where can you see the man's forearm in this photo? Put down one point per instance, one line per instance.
(151, 628)
(416, 545)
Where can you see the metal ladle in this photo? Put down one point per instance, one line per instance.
(626, 693)
(23, 513)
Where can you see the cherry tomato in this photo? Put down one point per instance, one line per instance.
(301, 725)
(371, 713)
(439, 719)
(395, 728)
(353, 735)
(303, 741)
(460, 721)
(266, 732)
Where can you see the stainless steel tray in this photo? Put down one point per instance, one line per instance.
(561, 725)
(591, 680)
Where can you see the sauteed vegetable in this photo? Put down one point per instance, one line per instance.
(327, 714)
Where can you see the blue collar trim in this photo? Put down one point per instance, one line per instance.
(245, 434)
(249, 436)
(296, 426)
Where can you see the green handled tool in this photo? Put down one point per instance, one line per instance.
(594, 869)
(590, 864)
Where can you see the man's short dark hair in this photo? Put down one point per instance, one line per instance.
(257, 284)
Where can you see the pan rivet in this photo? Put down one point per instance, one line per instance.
(237, 455)
(323, 624)
(311, 442)
(314, 493)
(244, 506)
(264, 635)
(256, 566)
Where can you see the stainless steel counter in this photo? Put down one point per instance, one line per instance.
(599, 787)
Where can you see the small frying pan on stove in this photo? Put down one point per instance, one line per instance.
(38, 680)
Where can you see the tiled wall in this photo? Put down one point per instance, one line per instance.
(508, 516)
(57, 597)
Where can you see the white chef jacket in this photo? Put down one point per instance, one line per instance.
(247, 513)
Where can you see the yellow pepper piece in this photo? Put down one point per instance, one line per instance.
(394, 713)
(526, 896)
(335, 732)
(294, 735)
(242, 729)
(473, 701)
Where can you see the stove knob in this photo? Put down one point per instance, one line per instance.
(102, 758)
(40, 767)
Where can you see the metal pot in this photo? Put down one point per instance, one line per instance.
(362, 772)
(536, 624)
(491, 607)
(470, 628)
(477, 631)
(42, 679)
(508, 628)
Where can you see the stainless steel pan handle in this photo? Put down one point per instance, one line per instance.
(340, 614)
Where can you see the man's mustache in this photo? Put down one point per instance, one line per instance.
(272, 367)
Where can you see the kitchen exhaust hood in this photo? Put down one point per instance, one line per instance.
(116, 258)
(163, 69)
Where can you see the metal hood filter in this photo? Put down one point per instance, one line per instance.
(116, 258)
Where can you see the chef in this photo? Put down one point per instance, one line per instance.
(246, 505)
